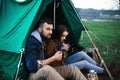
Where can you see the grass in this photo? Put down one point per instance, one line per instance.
(106, 36)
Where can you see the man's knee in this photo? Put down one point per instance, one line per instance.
(42, 73)
(47, 69)
(73, 68)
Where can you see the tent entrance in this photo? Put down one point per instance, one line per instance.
(59, 15)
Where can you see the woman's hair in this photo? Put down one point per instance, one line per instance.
(59, 31)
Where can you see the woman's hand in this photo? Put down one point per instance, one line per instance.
(65, 46)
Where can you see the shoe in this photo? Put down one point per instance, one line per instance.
(105, 72)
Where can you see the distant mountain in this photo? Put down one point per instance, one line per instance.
(93, 14)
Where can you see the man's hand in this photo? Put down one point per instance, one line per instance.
(58, 55)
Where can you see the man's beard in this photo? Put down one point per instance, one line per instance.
(48, 36)
(45, 38)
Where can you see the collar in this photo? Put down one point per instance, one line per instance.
(37, 35)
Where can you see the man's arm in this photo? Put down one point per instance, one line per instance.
(56, 57)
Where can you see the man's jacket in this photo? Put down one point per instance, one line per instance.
(34, 51)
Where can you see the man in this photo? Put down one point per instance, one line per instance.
(38, 62)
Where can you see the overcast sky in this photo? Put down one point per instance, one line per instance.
(97, 4)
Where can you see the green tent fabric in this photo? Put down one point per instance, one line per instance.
(72, 19)
(17, 20)
(8, 65)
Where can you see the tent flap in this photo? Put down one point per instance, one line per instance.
(72, 19)
(8, 65)
(15, 22)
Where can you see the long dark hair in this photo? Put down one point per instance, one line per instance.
(59, 31)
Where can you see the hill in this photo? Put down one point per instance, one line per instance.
(93, 14)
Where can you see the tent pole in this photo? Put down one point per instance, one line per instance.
(18, 66)
(97, 51)
(102, 61)
(94, 45)
(54, 14)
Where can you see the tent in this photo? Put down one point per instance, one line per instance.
(17, 20)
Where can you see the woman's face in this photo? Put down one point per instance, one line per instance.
(64, 35)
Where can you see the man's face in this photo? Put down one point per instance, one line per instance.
(46, 30)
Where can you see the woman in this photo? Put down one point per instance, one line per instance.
(79, 59)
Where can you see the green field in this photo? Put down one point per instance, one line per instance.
(106, 35)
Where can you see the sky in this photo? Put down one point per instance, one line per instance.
(97, 4)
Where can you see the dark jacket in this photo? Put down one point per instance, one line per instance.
(34, 51)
